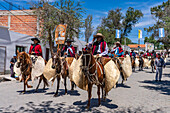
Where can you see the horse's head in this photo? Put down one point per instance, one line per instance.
(56, 62)
(20, 58)
(86, 60)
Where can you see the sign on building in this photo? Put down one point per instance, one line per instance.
(60, 34)
(149, 46)
(117, 33)
(161, 32)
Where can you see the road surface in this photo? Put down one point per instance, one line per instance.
(139, 94)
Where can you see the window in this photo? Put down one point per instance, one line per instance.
(20, 48)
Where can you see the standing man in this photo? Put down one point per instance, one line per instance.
(159, 63)
(35, 49)
(99, 47)
(68, 50)
(13, 60)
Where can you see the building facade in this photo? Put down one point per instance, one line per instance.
(21, 21)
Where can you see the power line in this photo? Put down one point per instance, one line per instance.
(18, 8)
(17, 17)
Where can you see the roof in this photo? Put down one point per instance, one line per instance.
(17, 12)
(136, 45)
(8, 37)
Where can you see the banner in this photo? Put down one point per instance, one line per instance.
(161, 32)
(117, 33)
(60, 32)
(139, 33)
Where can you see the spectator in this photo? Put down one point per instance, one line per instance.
(159, 63)
(13, 60)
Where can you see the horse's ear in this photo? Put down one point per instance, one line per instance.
(17, 51)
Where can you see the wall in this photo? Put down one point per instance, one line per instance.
(24, 23)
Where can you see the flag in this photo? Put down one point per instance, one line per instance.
(161, 32)
(117, 33)
(60, 32)
(139, 33)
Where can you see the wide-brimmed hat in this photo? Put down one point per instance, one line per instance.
(69, 40)
(35, 39)
(98, 35)
(117, 42)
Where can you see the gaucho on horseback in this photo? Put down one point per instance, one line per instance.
(35, 49)
(68, 50)
(31, 66)
(100, 47)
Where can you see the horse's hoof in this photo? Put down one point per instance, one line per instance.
(88, 107)
(23, 92)
(29, 86)
(55, 95)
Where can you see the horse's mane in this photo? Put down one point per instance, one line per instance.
(27, 57)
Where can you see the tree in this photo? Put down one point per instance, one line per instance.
(161, 14)
(60, 12)
(116, 20)
(88, 27)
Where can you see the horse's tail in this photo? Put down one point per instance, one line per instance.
(45, 81)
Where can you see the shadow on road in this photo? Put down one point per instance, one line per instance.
(166, 74)
(162, 86)
(62, 92)
(122, 85)
(32, 91)
(94, 103)
(48, 106)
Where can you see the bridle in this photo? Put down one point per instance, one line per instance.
(21, 63)
(92, 77)
(57, 61)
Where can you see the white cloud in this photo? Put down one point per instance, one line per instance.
(145, 23)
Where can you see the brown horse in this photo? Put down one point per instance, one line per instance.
(61, 70)
(133, 63)
(94, 72)
(25, 64)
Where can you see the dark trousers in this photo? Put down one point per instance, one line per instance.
(12, 72)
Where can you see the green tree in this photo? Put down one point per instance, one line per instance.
(161, 14)
(55, 13)
(116, 20)
(88, 27)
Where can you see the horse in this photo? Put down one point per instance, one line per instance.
(61, 70)
(141, 62)
(133, 63)
(25, 64)
(94, 72)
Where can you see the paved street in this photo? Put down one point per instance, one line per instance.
(139, 94)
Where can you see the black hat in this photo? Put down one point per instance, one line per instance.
(69, 40)
(35, 39)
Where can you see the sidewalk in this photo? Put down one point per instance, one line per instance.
(6, 78)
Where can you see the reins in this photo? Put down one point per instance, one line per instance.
(92, 77)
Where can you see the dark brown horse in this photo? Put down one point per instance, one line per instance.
(94, 72)
(25, 64)
(133, 63)
(61, 70)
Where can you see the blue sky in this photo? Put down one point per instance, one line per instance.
(99, 9)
